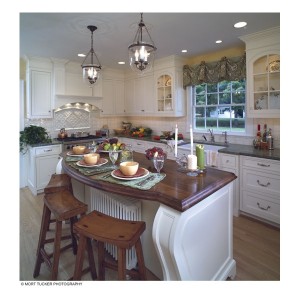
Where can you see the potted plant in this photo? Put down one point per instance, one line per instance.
(32, 135)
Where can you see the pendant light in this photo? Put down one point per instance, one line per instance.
(141, 52)
(91, 71)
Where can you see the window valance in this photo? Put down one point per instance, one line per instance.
(225, 69)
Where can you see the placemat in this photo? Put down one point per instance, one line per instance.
(92, 171)
(144, 183)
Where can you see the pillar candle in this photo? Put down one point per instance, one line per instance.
(191, 138)
(192, 162)
(176, 140)
(200, 156)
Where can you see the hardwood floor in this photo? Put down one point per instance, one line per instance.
(256, 247)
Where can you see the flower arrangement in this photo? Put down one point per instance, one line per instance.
(150, 152)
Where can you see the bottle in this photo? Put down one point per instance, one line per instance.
(264, 138)
(270, 140)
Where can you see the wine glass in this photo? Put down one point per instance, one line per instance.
(113, 156)
(158, 162)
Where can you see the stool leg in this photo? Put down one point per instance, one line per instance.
(140, 259)
(121, 263)
(101, 261)
(91, 259)
(79, 258)
(43, 231)
(56, 250)
(74, 241)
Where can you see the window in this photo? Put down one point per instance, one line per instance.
(220, 106)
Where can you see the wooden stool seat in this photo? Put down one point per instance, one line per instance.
(64, 206)
(123, 234)
(57, 183)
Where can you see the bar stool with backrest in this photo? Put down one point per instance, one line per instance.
(123, 234)
(61, 203)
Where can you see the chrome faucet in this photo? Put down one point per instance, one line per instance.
(225, 133)
(212, 137)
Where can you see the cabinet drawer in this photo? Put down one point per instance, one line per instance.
(48, 150)
(229, 161)
(261, 164)
(260, 206)
(261, 182)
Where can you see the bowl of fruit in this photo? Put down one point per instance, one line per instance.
(151, 152)
(111, 144)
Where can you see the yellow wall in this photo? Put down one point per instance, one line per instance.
(216, 56)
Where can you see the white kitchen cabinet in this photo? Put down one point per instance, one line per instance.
(42, 164)
(137, 145)
(169, 95)
(230, 163)
(75, 85)
(139, 96)
(39, 88)
(113, 97)
(263, 73)
(260, 188)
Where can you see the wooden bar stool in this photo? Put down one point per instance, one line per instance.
(64, 206)
(123, 234)
(58, 182)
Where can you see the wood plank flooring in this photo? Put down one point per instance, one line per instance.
(256, 247)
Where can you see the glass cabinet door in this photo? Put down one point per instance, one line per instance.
(266, 82)
(164, 93)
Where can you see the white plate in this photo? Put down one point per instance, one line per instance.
(129, 178)
(102, 161)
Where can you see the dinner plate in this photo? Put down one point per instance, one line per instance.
(100, 162)
(141, 172)
(71, 153)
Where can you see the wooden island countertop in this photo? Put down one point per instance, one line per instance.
(176, 190)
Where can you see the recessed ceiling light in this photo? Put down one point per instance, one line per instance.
(240, 24)
(219, 41)
(121, 62)
(81, 55)
(183, 51)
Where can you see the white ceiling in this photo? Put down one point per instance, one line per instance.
(64, 35)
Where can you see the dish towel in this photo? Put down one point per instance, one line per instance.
(211, 158)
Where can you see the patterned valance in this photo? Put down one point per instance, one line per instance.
(225, 69)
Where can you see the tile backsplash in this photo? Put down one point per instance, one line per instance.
(77, 120)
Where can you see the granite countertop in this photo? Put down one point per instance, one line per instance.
(235, 149)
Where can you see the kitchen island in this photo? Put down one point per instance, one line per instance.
(189, 220)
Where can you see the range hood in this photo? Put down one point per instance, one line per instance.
(86, 103)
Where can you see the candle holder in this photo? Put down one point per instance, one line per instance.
(192, 173)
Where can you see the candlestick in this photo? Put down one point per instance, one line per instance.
(176, 140)
(191, 138)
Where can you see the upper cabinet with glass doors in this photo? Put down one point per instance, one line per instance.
(263, 73)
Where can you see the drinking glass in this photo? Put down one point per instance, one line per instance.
(113, 156)
(158, 162)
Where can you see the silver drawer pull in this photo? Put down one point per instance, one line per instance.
(48, 150)
(227, 161)
(264, 185)
(263, 208)
(263, 165)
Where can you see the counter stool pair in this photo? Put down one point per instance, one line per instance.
(60, 202)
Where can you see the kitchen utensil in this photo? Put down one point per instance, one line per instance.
(150, 178)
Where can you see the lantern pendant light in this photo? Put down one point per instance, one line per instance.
(141, 52)
(91, 71)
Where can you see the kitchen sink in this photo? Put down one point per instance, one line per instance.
(206, 147)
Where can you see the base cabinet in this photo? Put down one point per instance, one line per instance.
(260, 188)
(230, 163)
(42, 164)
